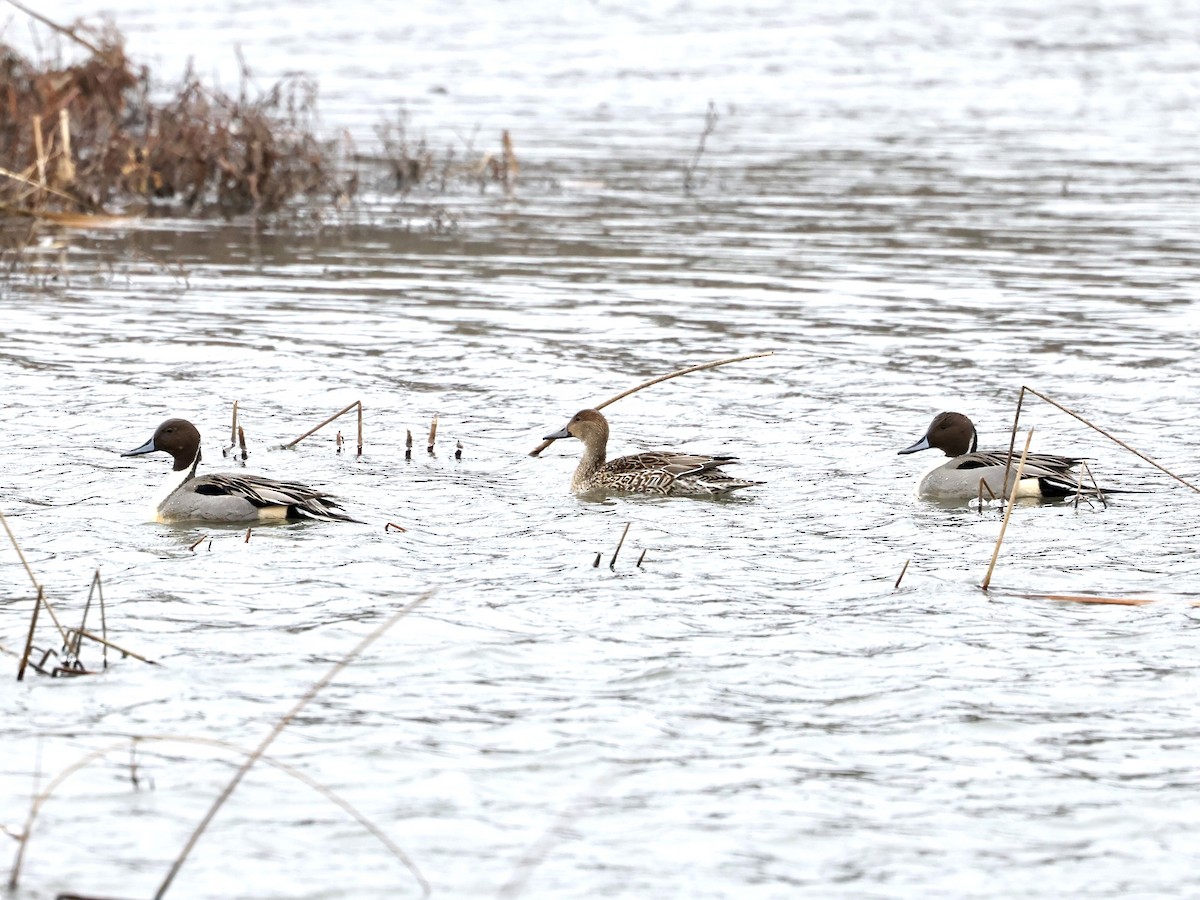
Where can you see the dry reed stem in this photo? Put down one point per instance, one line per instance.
(408, 442)
(341, 412)
(640, 558)
(326, 792)
(247, 540)
(13, 539)
(24, 562)
(40, 151)
(274, 733)
(596, 561)
(107, 643)
(1114, 439)
(900, 577)
(199, 541)
(613, 562)
(233, 427)
(61, 29)
(392, 526)
(432, 433)
(645, 384)
(1012, 497)
(37, 604)
(1082, 598)
(540, 849)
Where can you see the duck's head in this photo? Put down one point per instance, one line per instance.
(178, 437)
(951, 432)
(588, 425)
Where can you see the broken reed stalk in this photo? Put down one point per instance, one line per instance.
(1012, 497)
(432, 434)
(37, 604)
(1080, 598)
(24, 562)
(247, 540)
(341, 412)
(300, 776)
(1094, 427)
(199, 541)
(613, 562)
(275, 732)
(233, 427)
(640, 558)
(645, 384)
(107, 643)
(408, 442)
(900, 577)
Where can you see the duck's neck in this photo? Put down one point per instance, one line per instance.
(591, 461)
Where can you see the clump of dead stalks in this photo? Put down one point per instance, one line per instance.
(89, 137)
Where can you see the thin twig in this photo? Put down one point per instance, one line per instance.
(342, 412)
(1012, 499)
(274, 733)
(613, 562)
(645, 384)
(1114, 439)
(61, 29)
(901, 575)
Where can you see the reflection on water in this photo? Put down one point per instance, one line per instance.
(917, 209)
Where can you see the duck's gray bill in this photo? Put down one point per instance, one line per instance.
(147, 447)
(558, 435)
(922, 444)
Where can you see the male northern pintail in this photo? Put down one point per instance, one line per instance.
(226, 497)
(1044, 475)
(655, 472)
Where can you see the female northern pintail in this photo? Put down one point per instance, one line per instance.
(953, 433)
(655, 472)
(226, 497)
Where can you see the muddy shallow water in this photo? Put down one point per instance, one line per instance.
(916, 209)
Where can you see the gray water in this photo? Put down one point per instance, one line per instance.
(917, 207)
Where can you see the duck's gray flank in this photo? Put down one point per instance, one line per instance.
(653, 472)
(226, 496)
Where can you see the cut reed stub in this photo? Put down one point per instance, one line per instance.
(458, 450)
(596, 561)
(408, 443)
(640, 558)
(432, 434)
(340, 441)
(242, 443)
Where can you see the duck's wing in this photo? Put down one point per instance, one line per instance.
(263, 492)
(1037, 465)
(658, 469)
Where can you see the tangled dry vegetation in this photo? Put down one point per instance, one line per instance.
(94, 138)
(88, 137)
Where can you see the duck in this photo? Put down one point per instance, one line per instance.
(1044, 475)
(655, 472)
(226, 496)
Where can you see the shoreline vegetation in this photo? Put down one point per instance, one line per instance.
(99, 141)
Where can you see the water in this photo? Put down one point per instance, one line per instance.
(917, 207)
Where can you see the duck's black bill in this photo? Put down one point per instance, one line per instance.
(922, 444)
(558, 435)
(147, 447)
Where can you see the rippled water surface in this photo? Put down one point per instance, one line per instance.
(916, 206)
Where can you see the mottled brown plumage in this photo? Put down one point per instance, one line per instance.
(654, 472)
